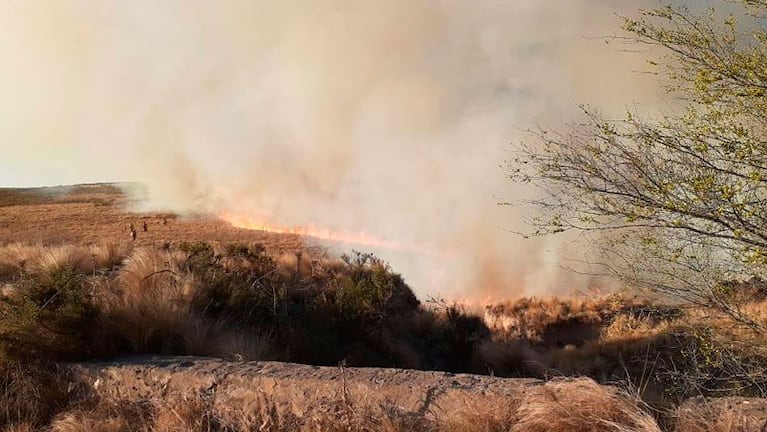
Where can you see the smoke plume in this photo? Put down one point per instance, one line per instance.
(384, 117)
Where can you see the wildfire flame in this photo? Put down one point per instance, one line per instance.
(336, 236)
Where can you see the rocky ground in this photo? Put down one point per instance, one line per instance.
(287, 390)
(285, 396)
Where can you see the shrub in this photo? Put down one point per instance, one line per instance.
(367, 289)
(52, 317)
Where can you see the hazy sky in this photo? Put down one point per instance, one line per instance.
(81, 80)
(389, 117)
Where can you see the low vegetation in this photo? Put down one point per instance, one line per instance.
(560, 405)
(240, 303)
(676, 204)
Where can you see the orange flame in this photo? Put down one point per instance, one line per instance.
(475, 304)
(337, 236)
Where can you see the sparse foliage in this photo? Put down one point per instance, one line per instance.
(679, 201)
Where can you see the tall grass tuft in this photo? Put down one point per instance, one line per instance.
(31, 393)
(581, 405)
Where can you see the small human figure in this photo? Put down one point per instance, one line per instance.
(145, 227)
(133, 234)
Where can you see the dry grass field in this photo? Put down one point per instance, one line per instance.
(95, 214)
(75, 287)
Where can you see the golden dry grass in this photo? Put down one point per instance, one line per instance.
(536, 319)
(16, 257)
(40, 260)
(97, 214)
(151, 305)
(668, 353)
(32, 392)
(728, 415)
(582, 405)
(559, 406)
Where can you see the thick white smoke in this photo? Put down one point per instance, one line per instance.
(389, 117)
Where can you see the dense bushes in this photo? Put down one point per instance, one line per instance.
(235, 302)
(239, 302)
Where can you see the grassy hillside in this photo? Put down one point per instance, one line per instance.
(100, 213)
(72, 289)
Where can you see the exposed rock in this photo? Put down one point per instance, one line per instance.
(286, 390)
(271, 396)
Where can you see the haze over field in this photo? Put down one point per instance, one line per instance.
(389, 118)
